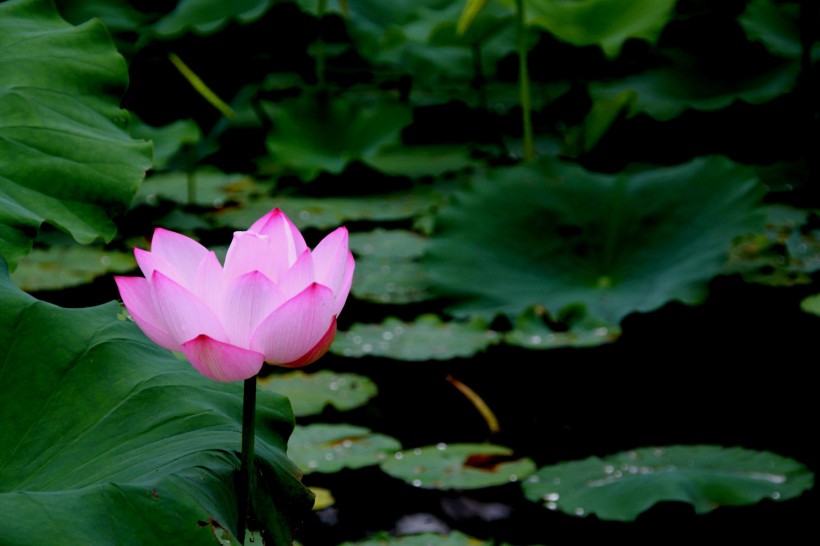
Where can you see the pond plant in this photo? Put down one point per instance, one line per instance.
(586, 251)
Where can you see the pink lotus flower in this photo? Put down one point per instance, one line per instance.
(274, 301)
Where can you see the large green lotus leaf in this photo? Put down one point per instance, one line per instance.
(426, 338)
(310, 393)
(329, 448)
(458, 466)
(606, 23)
(388, 270)
(65, 266)
(622, 486)
(311, 135)
(208, 16)
(329, 212)
(108, 439)
(553, 235)
(666, 92)
(65, 155)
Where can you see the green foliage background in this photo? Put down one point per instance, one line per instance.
(675, 151)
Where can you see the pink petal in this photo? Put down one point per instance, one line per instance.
(296, 327)
(137, 296)
(286, 239)
(347, 282)
(299, 276)
(222, 361)
(250, 251)
(185, 314)
(182, 252)
(330, 259)
(248, 300)
(209, 284)
(150, 262)
(317, 351)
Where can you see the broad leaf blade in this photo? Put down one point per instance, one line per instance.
(624, 485)
(65, 156)
(109, 439)
(555, 235)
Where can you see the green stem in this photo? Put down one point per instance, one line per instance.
(524, 81)
(246, 471)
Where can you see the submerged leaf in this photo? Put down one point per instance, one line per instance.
(622, 486)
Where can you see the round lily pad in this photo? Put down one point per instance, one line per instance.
(458, 466)
(329, 448)
(624, 485)
(387, 270)
(329, 212)
(309, 394)
(65, 266)
(531, 331)
(426, 338)
(213, 188)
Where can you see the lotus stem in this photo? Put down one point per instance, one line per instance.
(524, 80)
(246, 470)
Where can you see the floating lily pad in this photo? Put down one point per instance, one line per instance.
(811, 304)
(458, 466)
(387, 267)
(426, 338)
(784, 254)
(329, 212)
(309, 394)
(531, 330)
(65, 266)
(605, 23)
(330, 448)
(213, 188)
(419, 161)
(555, 235)
(622, 486)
